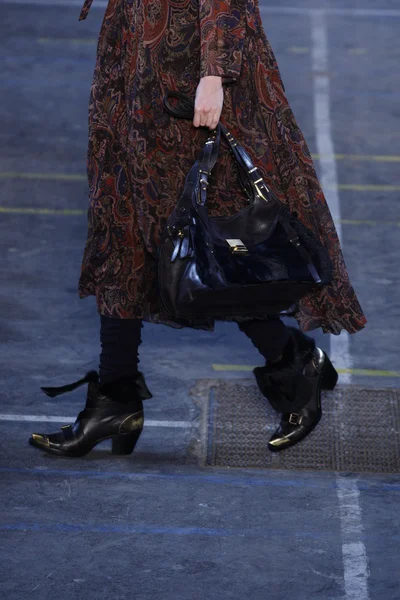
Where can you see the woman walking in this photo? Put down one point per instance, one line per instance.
(138, 158)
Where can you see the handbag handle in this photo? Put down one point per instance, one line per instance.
(208, 158)
(253, 179)
(248, 177)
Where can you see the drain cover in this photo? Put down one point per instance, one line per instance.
(359, 429)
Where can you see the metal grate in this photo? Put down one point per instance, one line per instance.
(359, 430)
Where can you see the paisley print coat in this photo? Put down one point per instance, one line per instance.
(139, 155)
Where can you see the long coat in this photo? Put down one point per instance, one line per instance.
(139, 155)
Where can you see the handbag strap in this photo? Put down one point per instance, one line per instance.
(185, 110)
(249, 175)
(208, 158)
(295, 240)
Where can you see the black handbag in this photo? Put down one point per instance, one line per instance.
(259, 261)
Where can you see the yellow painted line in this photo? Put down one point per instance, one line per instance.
(42, 211)
(360, 222)
(367, 157)
(369, 372)
(47, 40)
(357, 187)
(357, 50)
(366, 222)
(217, 367)
(50, 176)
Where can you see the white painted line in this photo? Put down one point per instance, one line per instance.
(353, 549)
(54, 419)
(279, 10)
(355, 560)
(340, 354)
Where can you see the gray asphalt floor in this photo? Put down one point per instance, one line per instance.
(157, 525)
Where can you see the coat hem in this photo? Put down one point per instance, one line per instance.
(334, 327)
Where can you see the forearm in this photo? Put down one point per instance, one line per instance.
(222, 37)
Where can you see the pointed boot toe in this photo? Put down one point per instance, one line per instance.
(293, 428)
(278, 442)
(39, 440)
(52, 442)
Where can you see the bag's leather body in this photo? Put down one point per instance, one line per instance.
(261, 260)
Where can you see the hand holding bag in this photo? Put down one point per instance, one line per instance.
(259, 261)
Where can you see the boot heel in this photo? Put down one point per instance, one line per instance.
(125, 443)
(329, 375)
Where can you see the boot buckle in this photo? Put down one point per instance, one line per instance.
(295, 419)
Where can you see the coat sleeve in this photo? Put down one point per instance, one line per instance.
(222, 38)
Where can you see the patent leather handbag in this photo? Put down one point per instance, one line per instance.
(261, 260)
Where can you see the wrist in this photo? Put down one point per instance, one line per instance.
(216, 77)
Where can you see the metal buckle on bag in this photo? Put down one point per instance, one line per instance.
(259, 190)
(237, 246)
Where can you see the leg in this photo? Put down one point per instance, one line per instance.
(118, 369)
(120, 340)
(269, 337)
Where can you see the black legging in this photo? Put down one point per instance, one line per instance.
(120, 340)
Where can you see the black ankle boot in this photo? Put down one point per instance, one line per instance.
(283, 382)
(293, 387)
(296, 425)
(113, 410)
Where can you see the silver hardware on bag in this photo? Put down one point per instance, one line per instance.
(237, 246)
(231, 139)
(211, 140)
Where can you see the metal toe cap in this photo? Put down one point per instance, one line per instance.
(39, 439)
(278, 441)
(283, 437)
